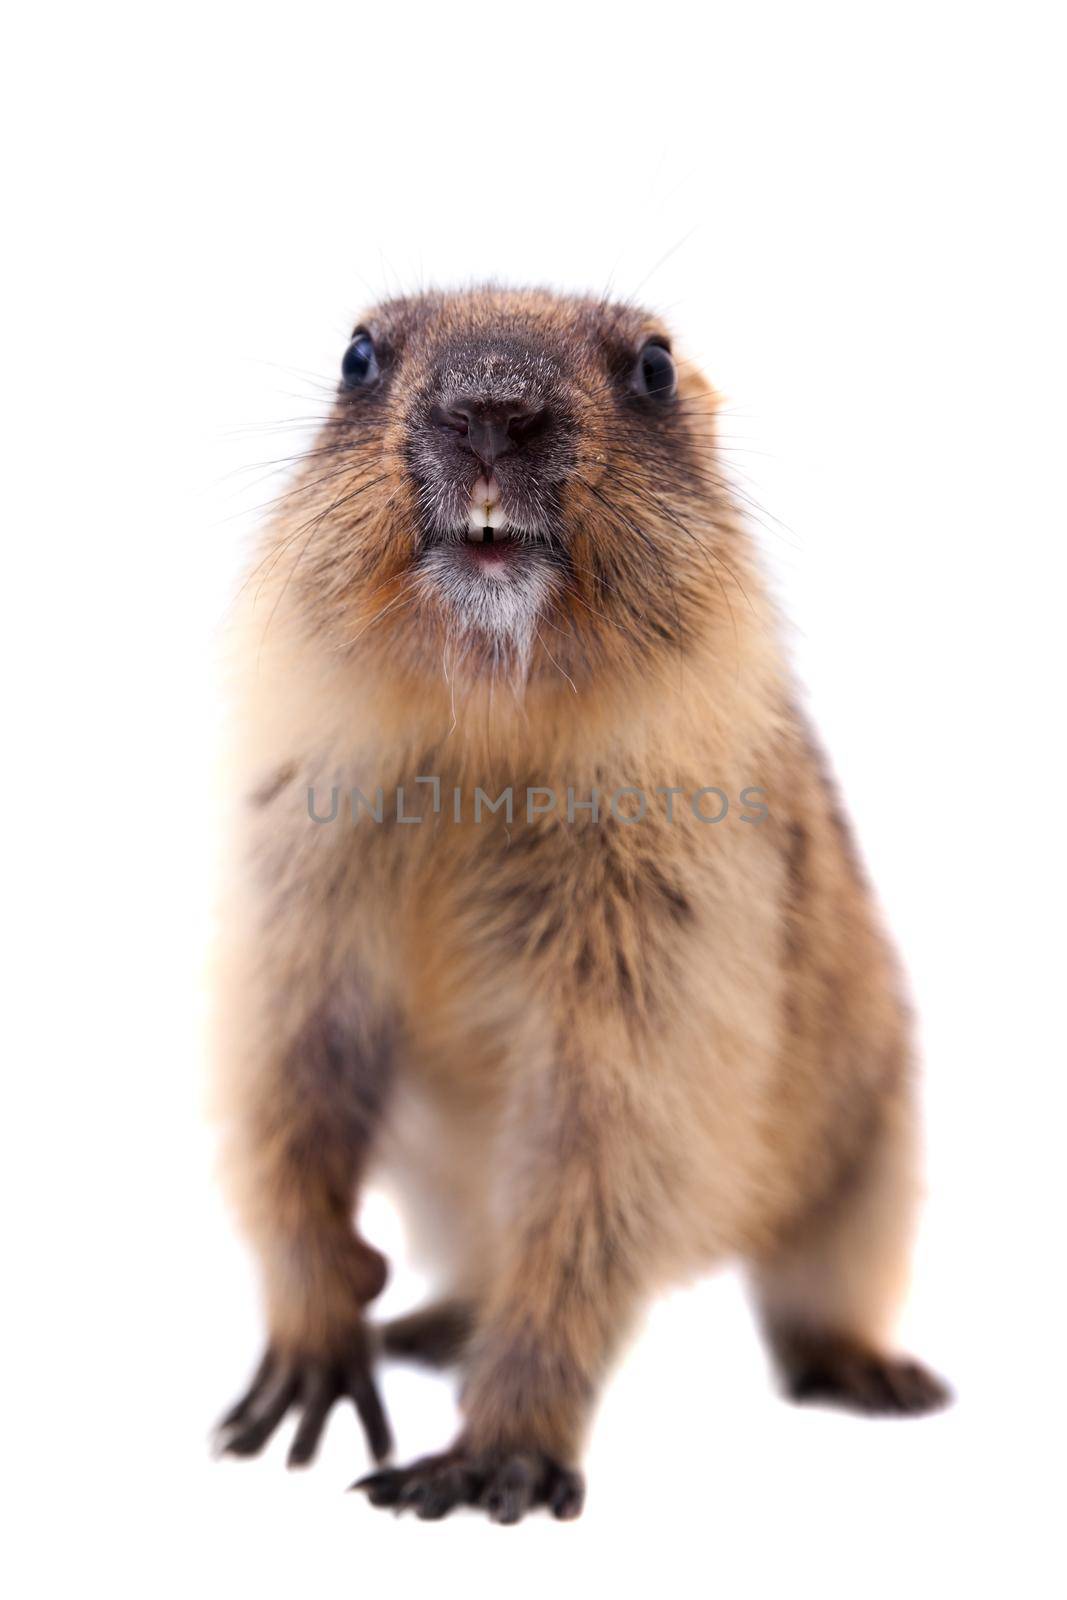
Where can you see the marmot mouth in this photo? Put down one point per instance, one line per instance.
(489, 546)
(489, 536)
(487, 524)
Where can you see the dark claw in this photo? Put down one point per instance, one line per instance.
(268, 1409)
(320, 1391)
(441, 1495)
(382, 1488)
(314, 1387)
(364, 1393)
(238, 1412)
(567, 1495)
(914, 1389)
(510, 1491)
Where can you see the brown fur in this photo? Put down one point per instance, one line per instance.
(606, 1056)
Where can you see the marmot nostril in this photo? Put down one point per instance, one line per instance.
(525, 424)
(490, 429)
(450, 421)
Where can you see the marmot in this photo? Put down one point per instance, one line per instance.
(542, 895)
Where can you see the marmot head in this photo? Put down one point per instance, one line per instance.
(526, 477)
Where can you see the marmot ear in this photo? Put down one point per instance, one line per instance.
(654, 374)
(359, 366)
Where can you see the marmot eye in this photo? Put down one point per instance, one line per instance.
(360, 365)
(654, 374)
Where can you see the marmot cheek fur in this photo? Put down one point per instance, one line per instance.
(606, 1044)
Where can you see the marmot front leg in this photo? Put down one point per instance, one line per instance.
(305, 1116)
(572, 1268)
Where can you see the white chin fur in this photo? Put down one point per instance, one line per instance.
(502, 603)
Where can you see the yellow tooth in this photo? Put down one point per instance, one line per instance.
(485, 509)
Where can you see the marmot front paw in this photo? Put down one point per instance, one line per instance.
(313, 1385)
(504, 1483)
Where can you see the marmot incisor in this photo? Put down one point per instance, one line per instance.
(610, 1038)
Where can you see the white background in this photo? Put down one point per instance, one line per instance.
(852, 215)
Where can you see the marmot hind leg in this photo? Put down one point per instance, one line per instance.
(827, 1298)
(436, 1335)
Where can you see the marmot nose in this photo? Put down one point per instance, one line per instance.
(489, 429)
